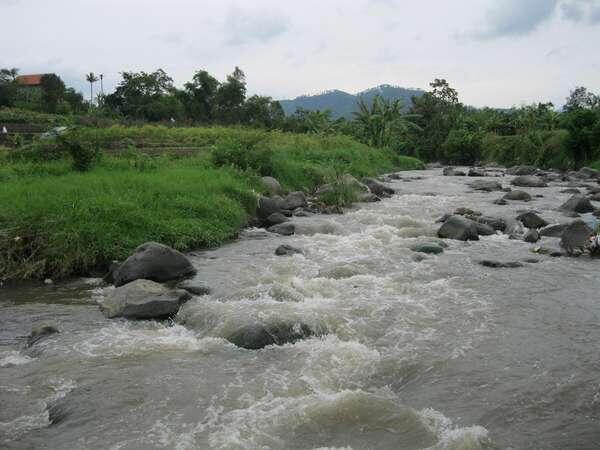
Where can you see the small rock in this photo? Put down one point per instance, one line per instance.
(517, 195)
(287, 250)
(501, 265)
(476, 172)
(428, 248)
(466, 212)
(378, 188)
(494, 222)
(571, 191)
(485, 185)
(531, 220)
(575, 237)
(40, 332)
(529, 181)
(194, 287)
(269, 205)
(272, 185)
(577, 204)
(285, 229)
(522, 170)
(532, 236)
(276, 218)
(555, 230)
(257, 336)
(295, 200)
(500, 201)
(459, 228)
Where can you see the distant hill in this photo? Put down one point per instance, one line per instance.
(343, 104)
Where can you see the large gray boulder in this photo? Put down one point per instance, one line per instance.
(276, 218)
(154, 261)
(575, 237)
(529, 181)
(40, 332)
(257, 336)
(295, 200)
(587, 173)
(486, 185)
(518, 196)
(143, 299)
(554, 230)
(272, 185)
(459, 228)
(269, 205)
(378, 188)
(531, 220)
(577, 204)
(484, 229)
(495, 222)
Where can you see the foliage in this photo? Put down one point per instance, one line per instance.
(462, 147)
(53, 91)
(83, 152)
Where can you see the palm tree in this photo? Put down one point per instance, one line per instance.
(91, 78)
(382, 120)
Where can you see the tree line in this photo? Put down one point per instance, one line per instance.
(436, 126)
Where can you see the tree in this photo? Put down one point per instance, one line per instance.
(382, 121)
(230, 98)
(263, 112)
(53, 91)
(91, 78)
(200, 96)
(8, 86)
(581, 98)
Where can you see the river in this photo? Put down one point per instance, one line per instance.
(441, 353)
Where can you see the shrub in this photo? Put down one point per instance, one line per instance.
(462, 147)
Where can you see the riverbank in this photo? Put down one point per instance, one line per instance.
(56, 222)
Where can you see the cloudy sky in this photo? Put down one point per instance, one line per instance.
(495, 52)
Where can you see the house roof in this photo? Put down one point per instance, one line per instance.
(30, 80)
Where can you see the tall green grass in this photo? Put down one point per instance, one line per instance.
(55, 222)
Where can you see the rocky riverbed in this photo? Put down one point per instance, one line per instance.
(460, 312)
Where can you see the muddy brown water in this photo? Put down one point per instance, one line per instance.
(437, 354)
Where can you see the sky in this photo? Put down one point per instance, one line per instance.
(497, 53)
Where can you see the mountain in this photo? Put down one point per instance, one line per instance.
(343, 104)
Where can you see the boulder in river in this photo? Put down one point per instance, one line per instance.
(529, 181)
(495, 222)
(429, 248)
(575, 237)
(295, 200)
(285, 229)
(532, 236)
(554, 230)
(500, 201)
(518, 196)
(459, 228)
(485, 185)
(531, 220)
(595, 197)
(287, 250)
(586, 173)
(269, 205)
(500, 264)
(577, 204)
(194, 287)
(40, 332)
(276, 218)
(484, 229)
(143, 299)
(378, 188)
(570, 191)
(476, 172)
(154, 261)
(272, 185)
(257, 336)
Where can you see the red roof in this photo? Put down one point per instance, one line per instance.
(30, 80)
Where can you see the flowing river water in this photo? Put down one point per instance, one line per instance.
(441, 353)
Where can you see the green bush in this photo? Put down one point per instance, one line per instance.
(462, 147)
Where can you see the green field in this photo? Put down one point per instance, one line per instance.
(56, 222)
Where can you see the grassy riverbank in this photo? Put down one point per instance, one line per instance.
(56, 222)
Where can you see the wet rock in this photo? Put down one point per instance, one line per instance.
(495, 223)
(531, 260)
(275, 219)
(529, 181)
(484, 230)
(595, 197)
(555, 253)
(295, 200)
(485, 185)
(577, 204)
(522, 170)
(466, 212)
(555, 230)
(531, 220)
(571, 191)
(156, 262)
(500, 201)
(532, 236)
(428, 248)
(448, 171)
(269, 205)
(500, 264)
(194, 287)
(272, 185)
(287, 250)
(40, 332)
(476, 172)
(285, 229)
(367, 197)
(593, 190)
(340, 271)
(378, 188)
(575, 237)
(109, 277)
(586, 173)
(518, 196)
(143, 299)
(459, 228)
(257, 336)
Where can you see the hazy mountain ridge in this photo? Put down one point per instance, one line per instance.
(343, 104)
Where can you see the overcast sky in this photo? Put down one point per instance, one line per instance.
(495, 52)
